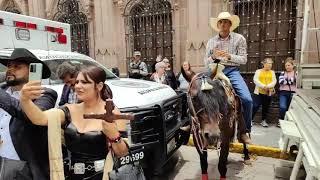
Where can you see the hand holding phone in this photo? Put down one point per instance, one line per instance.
(35, 71)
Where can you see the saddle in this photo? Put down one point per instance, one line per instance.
(218, 68)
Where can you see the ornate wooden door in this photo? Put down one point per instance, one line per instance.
(149, 30)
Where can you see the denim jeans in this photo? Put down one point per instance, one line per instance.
(284, 101)
(241, 88)
(259, 100)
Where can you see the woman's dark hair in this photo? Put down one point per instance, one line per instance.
(188, 78)
(97, 74)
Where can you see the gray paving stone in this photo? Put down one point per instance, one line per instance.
(262, 168)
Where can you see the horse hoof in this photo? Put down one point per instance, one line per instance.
(223, 178)
(205, 177)
(247, 162)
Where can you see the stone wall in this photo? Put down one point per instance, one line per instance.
(190, 24)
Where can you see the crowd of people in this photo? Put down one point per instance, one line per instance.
(25, 106)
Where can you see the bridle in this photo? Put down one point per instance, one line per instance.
(195, 123)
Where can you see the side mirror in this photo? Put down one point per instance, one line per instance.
(115, 71)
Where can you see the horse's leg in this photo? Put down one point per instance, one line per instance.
(246, 154)
(203, 162)
(224, 153)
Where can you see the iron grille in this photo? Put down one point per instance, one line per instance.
(149, 29)
(68, 12)
(269, 27)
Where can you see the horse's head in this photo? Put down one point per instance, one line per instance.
(210, 106)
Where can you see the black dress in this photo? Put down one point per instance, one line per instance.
(84, 148)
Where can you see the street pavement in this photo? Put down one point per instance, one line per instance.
(266, 136)
(262, 168)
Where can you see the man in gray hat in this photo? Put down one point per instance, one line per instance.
(24, 146)
(137, 68)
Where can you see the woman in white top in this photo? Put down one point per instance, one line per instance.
(265, 80)
(185, 76)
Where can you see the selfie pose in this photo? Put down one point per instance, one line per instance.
(24, 147)
(86, 139)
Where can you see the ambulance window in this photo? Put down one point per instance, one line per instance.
(53, 65)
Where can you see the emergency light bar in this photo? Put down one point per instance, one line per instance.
(54, 30)
(21, 24)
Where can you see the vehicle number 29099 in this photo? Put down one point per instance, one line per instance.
(134, 157)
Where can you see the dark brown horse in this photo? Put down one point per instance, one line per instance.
(215, 111)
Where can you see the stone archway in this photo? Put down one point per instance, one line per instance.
(11, 6)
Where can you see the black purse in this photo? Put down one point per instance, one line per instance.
(127, 167)
(14, 169)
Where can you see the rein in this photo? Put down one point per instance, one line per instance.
(195, 123)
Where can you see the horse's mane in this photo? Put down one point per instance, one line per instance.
(213, 101)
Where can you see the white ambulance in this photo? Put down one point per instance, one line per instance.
(159, 110)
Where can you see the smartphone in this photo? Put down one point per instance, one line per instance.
(35, 71)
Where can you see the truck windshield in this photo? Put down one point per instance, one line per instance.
(53, 65)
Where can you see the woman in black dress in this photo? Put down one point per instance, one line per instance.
(86, 139)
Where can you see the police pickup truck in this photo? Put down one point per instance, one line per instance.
(159, 111)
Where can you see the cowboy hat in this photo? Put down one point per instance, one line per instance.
(25, 56)
(235, 21)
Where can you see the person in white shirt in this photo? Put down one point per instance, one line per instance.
(184, 76)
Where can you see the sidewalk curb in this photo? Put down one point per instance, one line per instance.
(254, 149)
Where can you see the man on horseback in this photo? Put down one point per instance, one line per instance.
(231, 49)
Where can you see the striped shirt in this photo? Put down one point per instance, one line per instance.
(287, 81)
(235, 44)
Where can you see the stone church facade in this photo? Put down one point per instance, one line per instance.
(110, 30)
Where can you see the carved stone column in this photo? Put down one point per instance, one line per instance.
(106, 35)
(37, 8)
(89, 11)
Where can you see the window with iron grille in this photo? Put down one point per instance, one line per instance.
(269, 27)
(68, 12)
(149, 30)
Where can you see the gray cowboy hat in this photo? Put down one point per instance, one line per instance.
(24, 55)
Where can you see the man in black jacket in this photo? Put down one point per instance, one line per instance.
(21, 141)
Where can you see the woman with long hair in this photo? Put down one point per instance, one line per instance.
(184, 76)
(88, 140)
